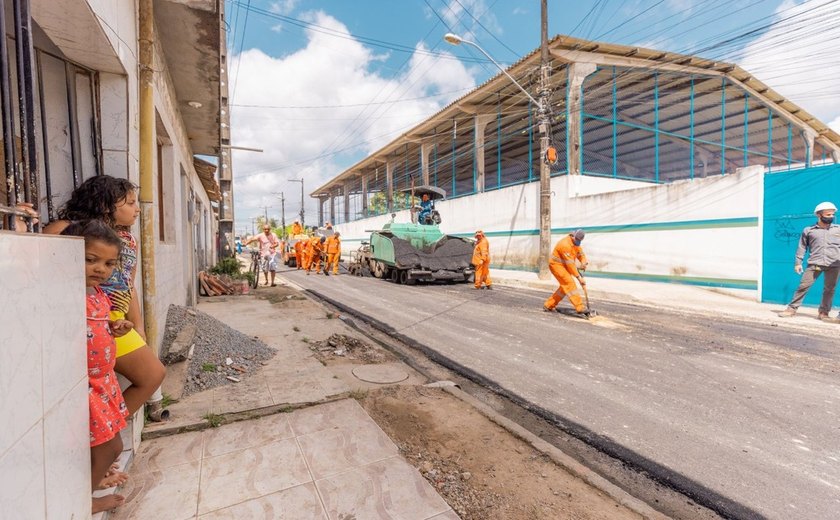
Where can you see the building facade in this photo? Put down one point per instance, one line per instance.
(78, 64)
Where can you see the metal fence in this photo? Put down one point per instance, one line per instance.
(640, 124)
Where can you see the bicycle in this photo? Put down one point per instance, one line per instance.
(256, 264)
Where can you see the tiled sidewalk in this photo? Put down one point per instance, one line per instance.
(329, 461)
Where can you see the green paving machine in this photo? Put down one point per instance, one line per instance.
(412, 252)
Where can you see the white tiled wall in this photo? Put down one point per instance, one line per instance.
(44, 455)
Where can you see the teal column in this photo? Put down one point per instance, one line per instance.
(746, 128)
(769, 140)
(656, 125)
(453, 159)
(790, 145)
(614, 126)
(723, 126)
(499, 147)
(691, 129)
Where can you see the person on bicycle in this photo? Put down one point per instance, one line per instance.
(268, 251)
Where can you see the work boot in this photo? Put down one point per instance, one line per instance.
(787, 313)
(326, 273)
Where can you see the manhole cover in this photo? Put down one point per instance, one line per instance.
(382, 374)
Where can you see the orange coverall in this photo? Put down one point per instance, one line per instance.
(333, 247)
(563, 267)
(315, 248)
(481, 261)
(299, 253)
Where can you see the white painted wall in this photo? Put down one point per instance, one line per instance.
(730, 253)
(44, 455)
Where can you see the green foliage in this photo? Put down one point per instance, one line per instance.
(227, 266)
(208, 367)
(215, 420)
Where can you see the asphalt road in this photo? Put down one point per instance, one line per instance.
(742, 417)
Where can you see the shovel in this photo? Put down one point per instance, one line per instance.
(589, 310)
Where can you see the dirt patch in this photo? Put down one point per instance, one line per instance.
(342, 349)
(478, 467)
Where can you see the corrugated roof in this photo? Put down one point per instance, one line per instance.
(567, 49)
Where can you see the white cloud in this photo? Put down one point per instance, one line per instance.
(519, 10)
(283, 7)
(798, 59)
(327, 71)
(461, 22)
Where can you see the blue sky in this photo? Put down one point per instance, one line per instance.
(351, 53)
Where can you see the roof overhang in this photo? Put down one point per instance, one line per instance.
(190, 36)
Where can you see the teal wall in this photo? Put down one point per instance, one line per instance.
(789, 201)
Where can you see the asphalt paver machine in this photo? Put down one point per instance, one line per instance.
(412, 252)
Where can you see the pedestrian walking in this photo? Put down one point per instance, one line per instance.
(563, 265)
(481, 261)
(822, 243)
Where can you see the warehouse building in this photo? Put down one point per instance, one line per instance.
(663, 158)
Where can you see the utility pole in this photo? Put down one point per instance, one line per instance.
(253, 228)
(283, 213)
(545, 168)
(301, 199)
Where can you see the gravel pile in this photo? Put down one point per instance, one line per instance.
(220, 355)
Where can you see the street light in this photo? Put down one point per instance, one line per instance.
(301, 198)
(454, 39)
(542, 106)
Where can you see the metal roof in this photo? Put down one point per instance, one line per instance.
(565, 50)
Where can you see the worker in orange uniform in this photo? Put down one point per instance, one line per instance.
(297, 229)
(299, 252)
(307, 251)
(333, 249)
(316, 245)
(563, 265)
(481, 261)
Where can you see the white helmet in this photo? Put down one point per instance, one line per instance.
(822, 206)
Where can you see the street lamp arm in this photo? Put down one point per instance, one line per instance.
(534, 101)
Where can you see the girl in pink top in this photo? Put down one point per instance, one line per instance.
(107, 407)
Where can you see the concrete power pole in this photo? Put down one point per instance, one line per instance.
(283, 213)
(545, 168)
(301, 198)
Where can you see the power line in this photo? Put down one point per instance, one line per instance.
(397, 47)
(351, 105)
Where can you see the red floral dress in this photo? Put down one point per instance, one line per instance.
(107, 408)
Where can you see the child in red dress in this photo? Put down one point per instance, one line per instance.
(107, 407)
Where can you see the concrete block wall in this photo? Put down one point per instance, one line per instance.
(701, 231)
(44, 455)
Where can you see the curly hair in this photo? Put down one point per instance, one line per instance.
(92, 230)
(96, 198)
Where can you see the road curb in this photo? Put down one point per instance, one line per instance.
(560, 458)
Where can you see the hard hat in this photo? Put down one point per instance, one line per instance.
(822, 206)
(579, 234)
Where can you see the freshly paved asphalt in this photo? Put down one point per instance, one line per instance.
(742, 417)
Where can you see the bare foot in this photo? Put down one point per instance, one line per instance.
(113, 478)
(106, 503)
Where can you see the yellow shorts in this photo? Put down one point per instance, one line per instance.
(130, 342)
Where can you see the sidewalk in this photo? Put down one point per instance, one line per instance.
(733, 303)
(304, 451)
